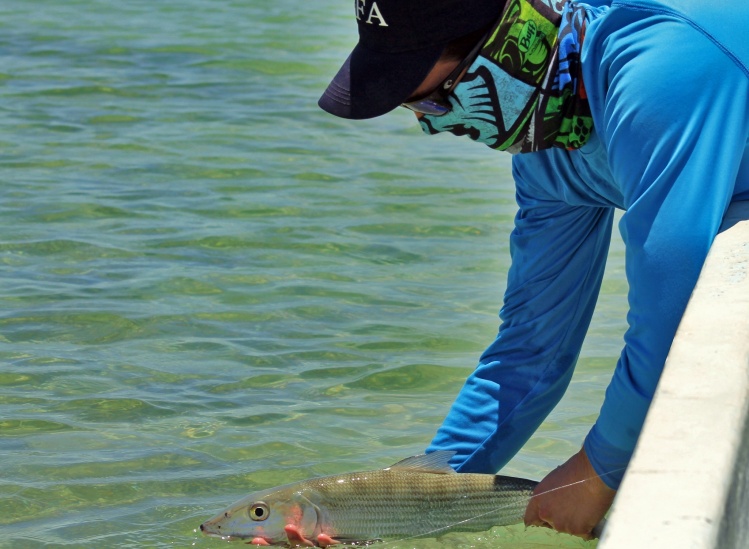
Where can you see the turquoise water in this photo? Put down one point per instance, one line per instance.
(209, 287)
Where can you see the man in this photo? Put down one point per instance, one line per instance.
(641, 105)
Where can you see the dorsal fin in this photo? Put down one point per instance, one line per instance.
(436, 462)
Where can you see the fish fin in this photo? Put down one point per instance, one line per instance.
(324, 540)
(295, 536)
(436, 462)
(258, 541)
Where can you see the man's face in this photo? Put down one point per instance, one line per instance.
(436, 76)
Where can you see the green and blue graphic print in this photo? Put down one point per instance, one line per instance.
(524, 91)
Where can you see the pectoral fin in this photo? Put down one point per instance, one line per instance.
(296, 538)
(324, 540)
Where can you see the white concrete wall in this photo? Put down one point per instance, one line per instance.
(688, 483)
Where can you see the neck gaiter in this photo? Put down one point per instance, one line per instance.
(524, 92)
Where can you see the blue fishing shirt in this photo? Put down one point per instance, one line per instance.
(668, 86)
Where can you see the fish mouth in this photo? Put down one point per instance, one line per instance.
(256, 540)
(212, 533)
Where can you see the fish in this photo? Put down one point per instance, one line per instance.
(420, 496)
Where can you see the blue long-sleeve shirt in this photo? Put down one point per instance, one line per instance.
(668, 87)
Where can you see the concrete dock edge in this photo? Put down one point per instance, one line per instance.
(688, 483)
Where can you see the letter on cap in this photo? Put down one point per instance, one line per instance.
(374, 13)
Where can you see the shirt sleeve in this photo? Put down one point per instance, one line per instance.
(558, 254)
(675, 127)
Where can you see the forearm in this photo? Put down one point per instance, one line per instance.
(677, 156)
(558, 254)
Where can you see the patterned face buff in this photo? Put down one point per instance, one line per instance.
(524, 92)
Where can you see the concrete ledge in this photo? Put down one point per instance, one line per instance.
(688, 483)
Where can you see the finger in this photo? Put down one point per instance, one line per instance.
(541, 524)
(538, 522)
(567, 527)
(531, 517)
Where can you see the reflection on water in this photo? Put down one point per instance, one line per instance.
(210, 287)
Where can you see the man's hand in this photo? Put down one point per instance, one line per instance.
(571, 499)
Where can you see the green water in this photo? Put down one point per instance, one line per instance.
(208, 286)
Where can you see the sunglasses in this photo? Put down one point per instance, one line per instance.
(436, 103)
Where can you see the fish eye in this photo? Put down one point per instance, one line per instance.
(259, 511)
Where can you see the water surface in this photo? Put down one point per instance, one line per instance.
(208, 286)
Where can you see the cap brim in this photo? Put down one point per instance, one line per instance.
(372, 83)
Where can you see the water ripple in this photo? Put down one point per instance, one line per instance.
(210, 287)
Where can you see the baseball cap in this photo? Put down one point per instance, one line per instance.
(399, 43)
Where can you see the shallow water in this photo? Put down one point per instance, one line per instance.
(208, 286)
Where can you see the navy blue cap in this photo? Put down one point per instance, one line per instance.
(399, 43)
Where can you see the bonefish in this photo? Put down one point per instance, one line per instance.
(419, 496)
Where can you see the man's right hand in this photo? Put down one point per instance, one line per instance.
(571, 499)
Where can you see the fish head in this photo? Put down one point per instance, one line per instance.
(264, 517)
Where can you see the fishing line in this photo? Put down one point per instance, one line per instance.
(495, 510)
